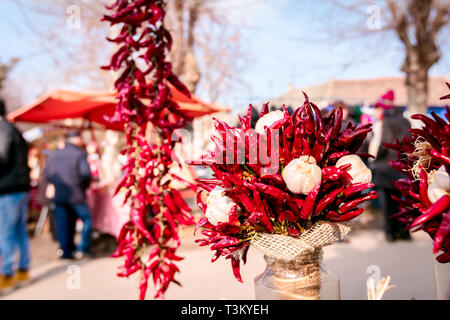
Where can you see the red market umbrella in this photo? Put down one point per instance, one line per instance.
(94, 106)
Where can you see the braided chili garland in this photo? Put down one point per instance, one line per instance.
(416, 210)
(157, 210)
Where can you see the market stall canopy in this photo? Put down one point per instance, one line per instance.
(94, 106)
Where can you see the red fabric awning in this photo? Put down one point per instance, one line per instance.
(94, 106)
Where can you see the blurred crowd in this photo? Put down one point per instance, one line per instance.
(49, 182)
(60, 182)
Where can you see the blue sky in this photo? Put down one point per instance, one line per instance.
(288, 42)
(294, 49)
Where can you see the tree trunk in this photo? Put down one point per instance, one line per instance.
(416, 83)
(191, 70)
(417, 26)
(417, 92)
(178, 50)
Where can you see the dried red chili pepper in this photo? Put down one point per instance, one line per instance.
(442, 232)
(271, 191)
(353, 203)
(423, 188)
(443, 204)
(327, 200)
(357, 187)
(308, 205)
(445, 159)
(348, 215)
(235, 263)
(444, 257)
(225, 243)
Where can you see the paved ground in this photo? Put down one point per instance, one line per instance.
(410, 264)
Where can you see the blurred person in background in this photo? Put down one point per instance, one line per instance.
(365, 119)
(389, 126)
(34, 163)
(68, 171)
(47, 190)
(14, 195)
(93, 158)
(110, 160)
(60, 143)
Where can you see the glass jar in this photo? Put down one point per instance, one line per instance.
(442, 280)
(302, 278)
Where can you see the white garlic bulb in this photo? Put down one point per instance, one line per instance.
(218, 206)
(267, 120)
(301, 175)
(358, 170)
(439, 186)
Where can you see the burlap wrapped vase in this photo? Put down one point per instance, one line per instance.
(294, 269)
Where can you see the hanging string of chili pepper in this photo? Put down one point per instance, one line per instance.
(157, 209)
(420, 157)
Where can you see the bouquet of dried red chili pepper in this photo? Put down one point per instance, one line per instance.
(425, 159)
(284, 178)
(157, 209)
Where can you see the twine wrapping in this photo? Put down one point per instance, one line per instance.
(297, 279)
(287, 248)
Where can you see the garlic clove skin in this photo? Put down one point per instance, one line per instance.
(434, 194)
(301, 175)
(218, 206)
(358, 170)
(267, 120)
(439, 186)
